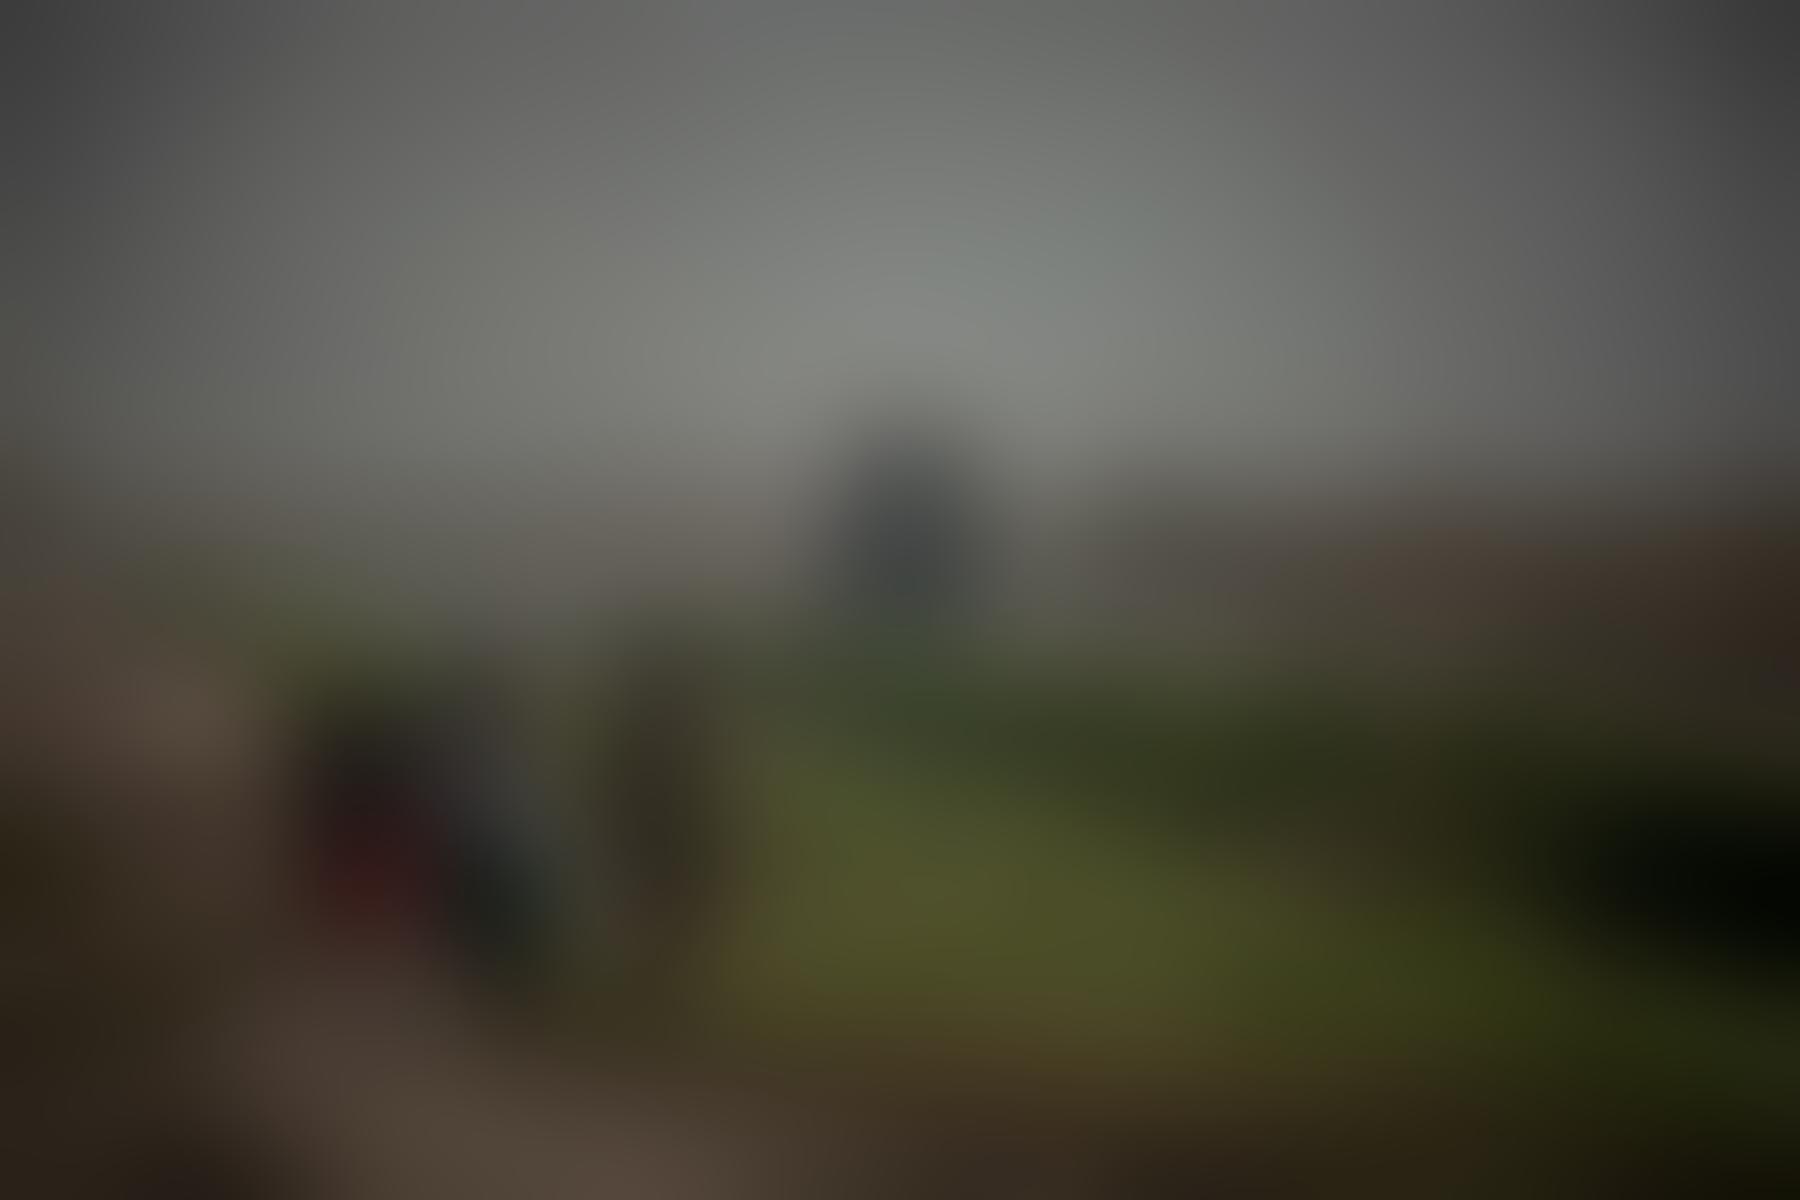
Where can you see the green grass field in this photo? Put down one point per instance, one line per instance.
(1175, 883)
(1001, 873)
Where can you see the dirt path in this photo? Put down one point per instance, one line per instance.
(381, 1083)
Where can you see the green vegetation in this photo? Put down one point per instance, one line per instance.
(1168, 884)
(1171, 881)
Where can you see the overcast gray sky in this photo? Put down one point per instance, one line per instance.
(417, 256)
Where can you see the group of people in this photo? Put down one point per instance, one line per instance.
(431, 821)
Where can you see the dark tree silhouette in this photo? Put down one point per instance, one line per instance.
(907, 542)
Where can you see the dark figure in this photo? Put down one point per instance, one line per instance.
(496, 892)
(371, 836)
(660, 832)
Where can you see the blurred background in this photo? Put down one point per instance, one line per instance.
(900, 599)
